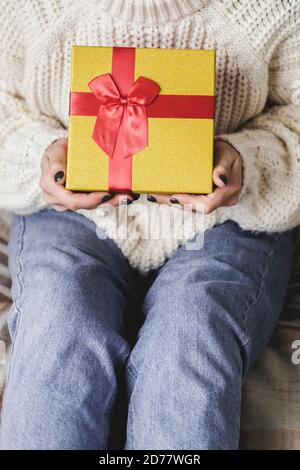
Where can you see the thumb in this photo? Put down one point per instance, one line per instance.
(57, 157)
(221, 174)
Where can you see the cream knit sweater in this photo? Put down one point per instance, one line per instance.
(258, 59)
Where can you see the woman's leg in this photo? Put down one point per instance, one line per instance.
(208, 316)
(72, 292)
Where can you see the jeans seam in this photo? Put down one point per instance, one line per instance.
(260, 288)
(16, 303)
(130, 435)
(119, 361)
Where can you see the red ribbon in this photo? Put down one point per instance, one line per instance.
(123, 107)
(122, 120)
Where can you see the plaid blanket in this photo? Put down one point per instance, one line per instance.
(271, 395)
(5, 300)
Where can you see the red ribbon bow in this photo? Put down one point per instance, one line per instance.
(122, 122)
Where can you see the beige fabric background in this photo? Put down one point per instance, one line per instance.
(271, 395)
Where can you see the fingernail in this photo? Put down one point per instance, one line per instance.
(135, 196)
(173, 200)
(59, 176)
(224, 179)
(151, 198)
(126, 201)
(106, 198)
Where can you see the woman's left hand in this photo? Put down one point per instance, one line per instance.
(227, 177)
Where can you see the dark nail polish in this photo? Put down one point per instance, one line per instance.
(59, 176)
(136, 196)
(126, 201)
(173, 200)
(106, 198)
(151, 198)
(223, 178)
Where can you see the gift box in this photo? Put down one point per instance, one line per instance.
(141, 120)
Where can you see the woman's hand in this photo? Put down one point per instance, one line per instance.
(227, 177)
(52, 182)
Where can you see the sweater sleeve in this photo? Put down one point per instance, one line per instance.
(269, 146)
(24, 134)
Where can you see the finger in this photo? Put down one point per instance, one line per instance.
(190, 202)
(49, 198)
(236, 176)
(206, 204)
(70, 199)
(159, 198)
(53, 201)
(221, 174)
(229, 195)
(57, 150)
(73, 201)
(121, 199)
(218, 198)
(57, 168)
(224, 151)
(60, 208)
(233, 200)
(57, 158)
(224, 156)
(222, 197)
(48, 171)
(222, 168)
(117, 199)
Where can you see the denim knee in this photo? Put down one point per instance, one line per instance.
(63, 294)
(187, 320)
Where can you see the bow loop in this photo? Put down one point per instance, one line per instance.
(143, 92)
(122, 121)
(105, 89)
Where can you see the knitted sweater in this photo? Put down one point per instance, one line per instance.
(257, 101)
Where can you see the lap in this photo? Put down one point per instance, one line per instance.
(230, 293)
(232, 289)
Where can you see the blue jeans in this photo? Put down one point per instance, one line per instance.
(104, 357)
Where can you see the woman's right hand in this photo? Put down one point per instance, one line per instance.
(53, 178)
